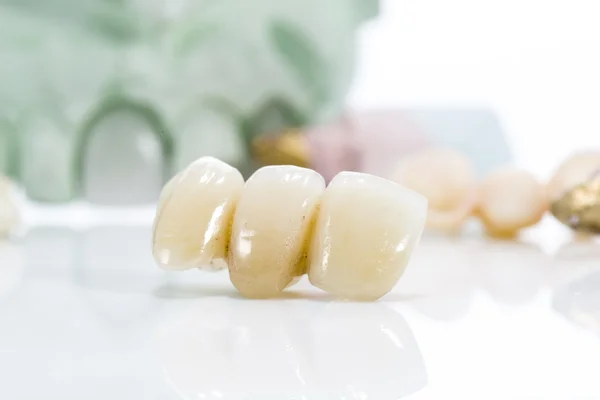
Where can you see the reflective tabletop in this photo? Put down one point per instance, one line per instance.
(86, 314)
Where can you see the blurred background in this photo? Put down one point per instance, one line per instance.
(156, 84)
(105, 100)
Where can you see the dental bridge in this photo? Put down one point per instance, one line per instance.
(352, 238)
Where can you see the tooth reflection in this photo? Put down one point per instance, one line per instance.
(576, 282)
(579, 302)
(363, 352)
(573, 261)
(11, 268)
(511, 272)
(276, 350)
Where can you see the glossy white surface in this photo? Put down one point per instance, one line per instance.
(85, 314)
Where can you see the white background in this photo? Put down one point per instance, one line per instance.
(535, 62)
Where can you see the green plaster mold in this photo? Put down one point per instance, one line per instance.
(73, 67)
(10, 148)
(118, 105)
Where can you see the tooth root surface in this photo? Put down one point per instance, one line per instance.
(271, 229)
(194, 215)
(364, 235)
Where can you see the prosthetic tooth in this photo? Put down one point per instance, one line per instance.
(194, 214)
(364, 235)
(354, 238)
(271, 229)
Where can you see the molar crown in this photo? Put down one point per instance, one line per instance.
(364, 236)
